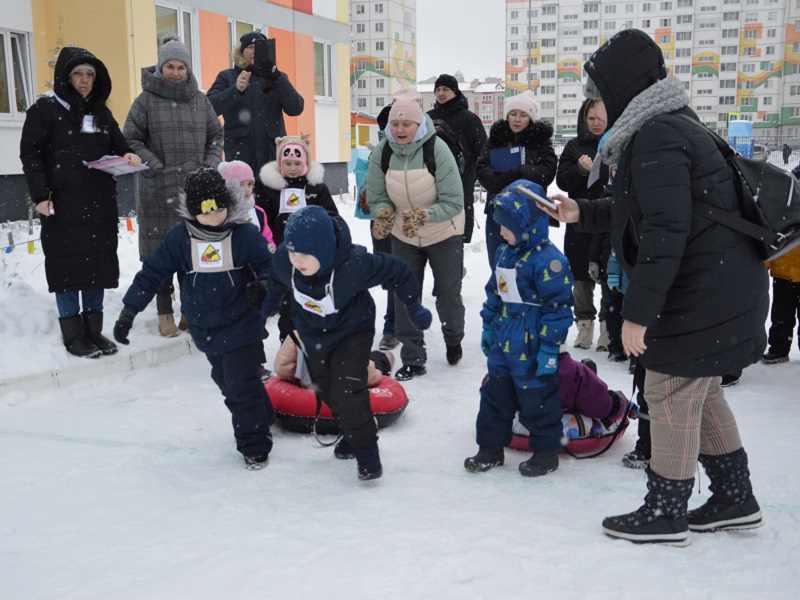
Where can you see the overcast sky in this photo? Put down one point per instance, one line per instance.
(461, 35)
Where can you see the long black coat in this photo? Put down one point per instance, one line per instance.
(698, 287)
(80, 239)
(540, 158)
(571, 179)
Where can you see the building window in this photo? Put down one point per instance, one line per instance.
(380, 101)
(730, 33)
(514, 46)
(514, 14)
(361, 84)
(547, 27)
(378, 27)
(549, 74)
(179, 22)
(591, 8)
(361, 27)
(323, 67)
(548, 89)
(378, 46)
(549, 43)
(685, 3)
(750, 34)
(379, 8)
(665, 22)
(610, 9)
(730, 16)
(379, 66)
(684, 19)
(646, 24)
(515, 31)
(749, 68)
(683, 36)
(727, 84)
(610, 26)
(361, 46)
(683, 69)
(590, 24)
(748, 51)
(380, 84)
(514, 62)
(728, 50)
(590, 41)
(664, 39)
(747, 102)
(683, 52)
(361, 65)
(361, 102)
(15, 74)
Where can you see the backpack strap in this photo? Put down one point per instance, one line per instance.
(428, 155)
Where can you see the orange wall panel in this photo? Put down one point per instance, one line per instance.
(215, 54)
(303, 6)
(292, 50)
(286, 3)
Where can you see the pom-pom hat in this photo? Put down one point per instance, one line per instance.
(205, 191)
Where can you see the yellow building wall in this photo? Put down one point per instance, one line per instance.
(343, 12)
(101, 26)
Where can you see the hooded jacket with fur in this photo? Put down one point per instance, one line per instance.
(698, 287)
(80, 239)
(219, 317)
(253, 119)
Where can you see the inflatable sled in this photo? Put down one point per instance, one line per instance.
(295, 407)
(585, 437)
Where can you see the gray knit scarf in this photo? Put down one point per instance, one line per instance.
(660, 98)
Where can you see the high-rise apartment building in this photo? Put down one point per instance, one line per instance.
(384, 51)
(738, 59)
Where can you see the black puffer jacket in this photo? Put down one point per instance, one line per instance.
(697, 286)
(573, 180)
(468, 129)
(540, 158)
(80, 239)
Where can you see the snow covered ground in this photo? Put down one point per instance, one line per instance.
(119, 479)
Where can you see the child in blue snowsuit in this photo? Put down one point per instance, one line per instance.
(526, 317)
(328, 278)
(219, 250)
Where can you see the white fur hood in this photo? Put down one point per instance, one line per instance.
(271, 176)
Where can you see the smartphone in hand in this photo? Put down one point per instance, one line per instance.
(264, 59)
(543, 200)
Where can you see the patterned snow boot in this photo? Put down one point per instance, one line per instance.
(602, 341)
(585, 334)
(732, 504)
(662, 517)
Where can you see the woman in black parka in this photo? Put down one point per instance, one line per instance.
(574, 167)
(697, 299)
(78, 205)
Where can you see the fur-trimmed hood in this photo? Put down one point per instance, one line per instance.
(533, 136)
(239, 60)
(271, 177)
(238, 209)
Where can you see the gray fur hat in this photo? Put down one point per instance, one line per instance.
(173, 49)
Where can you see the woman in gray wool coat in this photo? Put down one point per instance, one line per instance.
(173, 128)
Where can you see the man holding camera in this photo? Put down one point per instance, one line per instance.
(252, 97)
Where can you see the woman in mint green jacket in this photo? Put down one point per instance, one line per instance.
(417, 198)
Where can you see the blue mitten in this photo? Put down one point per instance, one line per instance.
(419, 316)
(271, 305)
(487, 339)
(547, 360)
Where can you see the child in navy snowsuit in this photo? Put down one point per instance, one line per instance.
(219, 250)
(329, 279)
(526, 317)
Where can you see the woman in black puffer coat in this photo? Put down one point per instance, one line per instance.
(540, 158)
(78, 205)
(574, 167)
(698, 297)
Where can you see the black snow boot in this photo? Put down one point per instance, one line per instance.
(344, 450)
(75, 340)
(541, 463)
(732, 504)
(93, 325)
(369, 463)
(485, 459)
(662, 518)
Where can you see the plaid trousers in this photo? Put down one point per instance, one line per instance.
(688, 416)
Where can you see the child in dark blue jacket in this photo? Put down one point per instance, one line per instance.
(526, 317)
(329, 278)
(219, 250)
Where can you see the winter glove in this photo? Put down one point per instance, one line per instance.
(594, 272)
(255, 292)
(613, 281)
(384, 221)
(413, 219)
(487, 339)
(547, 360)
(419, 316)
(123, 325)
(271, 305)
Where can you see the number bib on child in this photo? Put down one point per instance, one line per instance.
(321, 307)
(292, 200)
(252, 217)
(212, 255)
(507, 285)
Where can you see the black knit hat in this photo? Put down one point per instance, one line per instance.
(447, 81)
(205, 191)
(249, 38)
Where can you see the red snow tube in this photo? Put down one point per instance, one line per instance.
(588, 444)
(295, 406)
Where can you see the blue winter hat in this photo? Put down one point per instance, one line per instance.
(310, 231)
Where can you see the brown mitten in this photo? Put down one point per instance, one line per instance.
(413, 219)
(383, 223)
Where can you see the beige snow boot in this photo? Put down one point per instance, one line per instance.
(166, 326)
(585, 334)
(602, 341)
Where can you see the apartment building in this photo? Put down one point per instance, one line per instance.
(384, 51)
(738, 59)
(312, 42)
